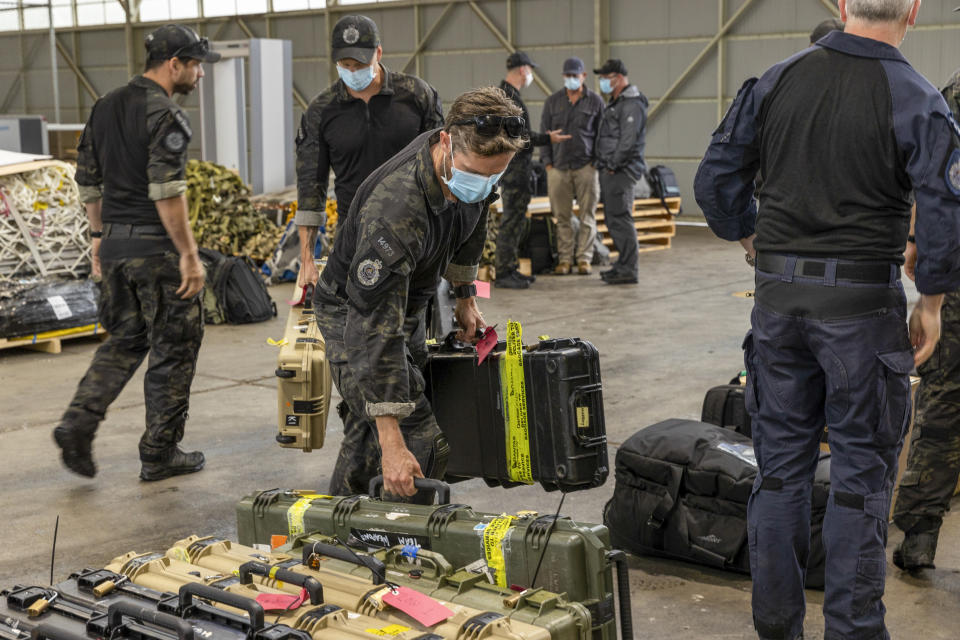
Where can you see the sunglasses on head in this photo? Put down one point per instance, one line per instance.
(195, 50)
(492, 125)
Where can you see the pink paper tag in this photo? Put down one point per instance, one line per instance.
(486, 344)
(483, 288)
(418, 606)
(281, 601)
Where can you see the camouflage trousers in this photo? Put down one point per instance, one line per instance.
(359, 458)
(515, 197)
(142, 312)
(933, 463)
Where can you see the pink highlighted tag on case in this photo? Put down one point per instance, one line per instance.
(418, 606)
(486, 344)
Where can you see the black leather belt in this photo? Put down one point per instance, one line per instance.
(119, 231)
(862, 273)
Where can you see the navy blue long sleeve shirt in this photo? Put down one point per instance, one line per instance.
(846, 136)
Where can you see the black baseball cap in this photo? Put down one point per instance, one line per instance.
(178, 41)
(613, 65)
(355, 37)
(518, 59)
(573, 67)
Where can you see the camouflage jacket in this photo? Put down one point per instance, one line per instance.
(400, 236)
(133, 151)
(354, 137)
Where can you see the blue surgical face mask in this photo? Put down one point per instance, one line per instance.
(572, 83)
(357, 80)
(467, 186)
(605, 85)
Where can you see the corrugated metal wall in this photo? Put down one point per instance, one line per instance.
(657, 39)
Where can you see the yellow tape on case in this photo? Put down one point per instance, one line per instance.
(389, 630)
(514, 392)
(493, 536)
(295, 514)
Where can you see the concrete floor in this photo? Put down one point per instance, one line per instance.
(662, 344)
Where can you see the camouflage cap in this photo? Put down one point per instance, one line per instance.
(178, 41)
(355, 37)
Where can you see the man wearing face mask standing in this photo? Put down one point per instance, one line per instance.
(619, 158)
(353, 127)
(515, 185)
(419, 216)
(131, 163)
(576, 110)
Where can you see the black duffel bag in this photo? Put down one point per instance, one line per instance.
(681, 492)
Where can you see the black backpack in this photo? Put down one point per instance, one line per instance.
(682, 490)
(663, 184)
(540, 244)
(724, 406)
(234, 293)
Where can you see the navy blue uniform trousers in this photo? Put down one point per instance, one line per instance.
(806, 370)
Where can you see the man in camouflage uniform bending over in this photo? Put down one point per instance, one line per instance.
(130, 169)
(420, 216)
(934, 461)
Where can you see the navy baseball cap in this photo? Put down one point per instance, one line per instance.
(573, 66)
(519, 59)
(178, 41)
(355, 37)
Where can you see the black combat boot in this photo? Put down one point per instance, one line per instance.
(917, 550)
(174, 463)
(512, 280)
(76, 449)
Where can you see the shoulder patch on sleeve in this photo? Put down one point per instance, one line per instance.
(369, 272)
(181, 120)
(175, 141)
(952, 173)
(387, 246)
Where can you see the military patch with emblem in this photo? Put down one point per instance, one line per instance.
(952, 173)
(368, 272)
(175, 141)
(301, 136)
(351, 35)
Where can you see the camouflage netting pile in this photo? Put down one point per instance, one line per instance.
(222, 216)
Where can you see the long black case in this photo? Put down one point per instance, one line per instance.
(682, 491)
(564, 403)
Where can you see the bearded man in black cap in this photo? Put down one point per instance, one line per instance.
(131, 162)
(358, 123)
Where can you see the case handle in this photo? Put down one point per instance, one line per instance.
(441, 487)
(313, 587)
(117, 610)
(252, 607)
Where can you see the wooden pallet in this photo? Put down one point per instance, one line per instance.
(654, 224)
(52, 341)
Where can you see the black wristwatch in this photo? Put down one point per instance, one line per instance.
(912, 238)
(465, 291)
(96, 234)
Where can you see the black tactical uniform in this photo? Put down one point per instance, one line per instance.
(929, 481)
(133, 152)
(354, 137)
(515, 184)
(401, 236)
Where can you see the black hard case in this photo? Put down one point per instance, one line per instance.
(567, 432)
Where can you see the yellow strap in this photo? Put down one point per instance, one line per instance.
(295, 516)
(273, 572)
(493, 535)
(389, 630)
(514, 392)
